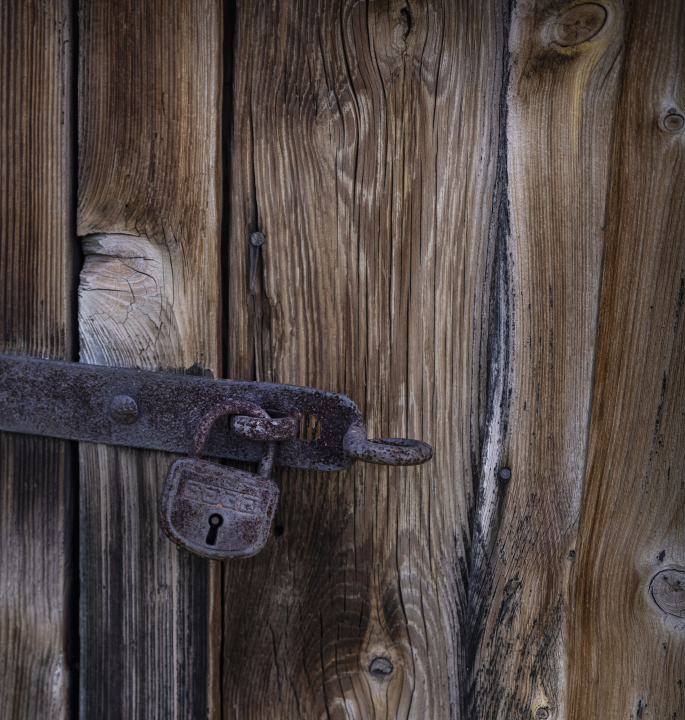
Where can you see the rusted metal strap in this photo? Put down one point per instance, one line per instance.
(162, 411)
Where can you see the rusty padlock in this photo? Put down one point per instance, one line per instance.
(217, 511)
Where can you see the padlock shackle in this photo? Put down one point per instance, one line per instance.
(232, 407)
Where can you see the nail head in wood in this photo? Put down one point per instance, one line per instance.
(257, 239)
(505, 475)
(256, 242)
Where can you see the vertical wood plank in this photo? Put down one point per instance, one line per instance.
(628, 654)
(564, 64)
(364, 148)
(36, 299)
(148, 214)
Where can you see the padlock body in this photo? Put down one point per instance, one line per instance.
(197, 491)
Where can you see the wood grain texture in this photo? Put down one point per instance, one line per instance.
(36, 306)
(148, 213)
(564, 64)
(36, 255)
(364, 148)
(628, 654)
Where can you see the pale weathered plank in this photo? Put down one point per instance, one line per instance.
(565, 59)
(36, 306)
(364, 148)
(148, 212)
(628, 654)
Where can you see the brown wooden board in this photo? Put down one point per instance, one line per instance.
(564, 67)
(628, 651)
(474, 228)
(149, 218)
(36, 309)
(364, 147)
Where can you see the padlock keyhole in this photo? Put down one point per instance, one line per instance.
(215, 522)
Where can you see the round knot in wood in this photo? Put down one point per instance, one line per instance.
(578, 24)
(668, 592)
(674, 121)
(380, 667)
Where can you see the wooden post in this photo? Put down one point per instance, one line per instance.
(364, 148)
(564, 70)
(149, 217)
(628, 651)
(37, 305)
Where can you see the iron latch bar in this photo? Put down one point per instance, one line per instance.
(83, 402)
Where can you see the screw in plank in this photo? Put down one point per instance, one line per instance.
(257, 239)
(124, 409)
(505, 475)
(380, 667)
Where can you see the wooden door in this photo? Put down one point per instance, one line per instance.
(473, 215)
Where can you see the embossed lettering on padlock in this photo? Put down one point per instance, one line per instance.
(214, 510)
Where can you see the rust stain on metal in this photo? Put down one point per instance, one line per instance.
(385, 451)
(265, 430)
(215, 511)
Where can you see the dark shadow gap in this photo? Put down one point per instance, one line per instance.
(72, 584)
(229, 25)
(226, 166)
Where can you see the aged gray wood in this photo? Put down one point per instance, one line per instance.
(563, 79)
(149, 218)
(364, 148)
(36, 308)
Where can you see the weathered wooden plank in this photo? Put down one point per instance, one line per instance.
(564, 65)
(364, 148)
(628, 654)
(36, 280)
(148, 213)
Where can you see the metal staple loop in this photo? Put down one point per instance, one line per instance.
(265, 430)
(385, 451)
(232, 407)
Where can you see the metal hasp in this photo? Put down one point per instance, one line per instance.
(162, 411)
